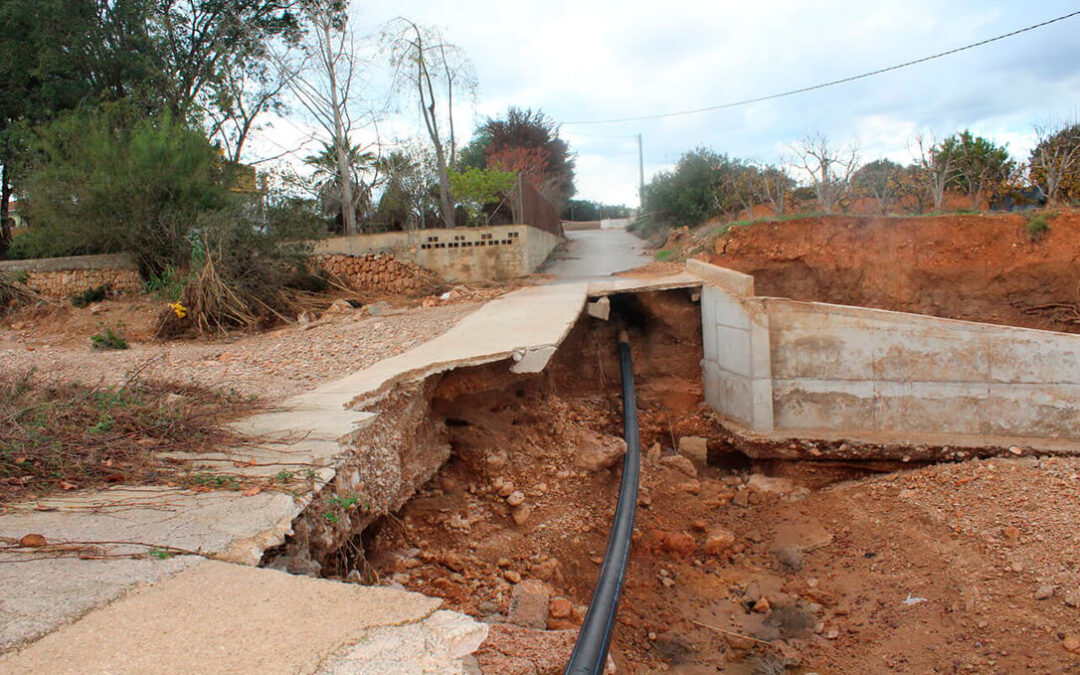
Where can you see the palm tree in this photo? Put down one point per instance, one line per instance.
(327, 179)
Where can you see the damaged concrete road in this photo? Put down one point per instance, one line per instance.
(218, 618)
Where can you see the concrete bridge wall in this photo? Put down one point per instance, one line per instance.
(780, 366)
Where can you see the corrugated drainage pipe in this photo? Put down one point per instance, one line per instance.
(590, 652)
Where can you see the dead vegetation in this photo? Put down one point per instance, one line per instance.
(15, 294)
(66, 435)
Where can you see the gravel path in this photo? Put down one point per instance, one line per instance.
(272, 365)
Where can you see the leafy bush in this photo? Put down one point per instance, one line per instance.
(168, 285)
(90, 296)
(1038, 227)
(109, 338)
(113, 179)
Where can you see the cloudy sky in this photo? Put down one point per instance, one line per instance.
(582, 61)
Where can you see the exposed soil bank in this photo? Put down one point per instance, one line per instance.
(975, 268)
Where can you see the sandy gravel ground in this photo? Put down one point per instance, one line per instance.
(272, 365)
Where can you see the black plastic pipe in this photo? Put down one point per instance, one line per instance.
(590, 652)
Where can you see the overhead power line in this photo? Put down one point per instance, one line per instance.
(831, 83)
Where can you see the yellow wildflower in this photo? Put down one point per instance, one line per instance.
(178, 309)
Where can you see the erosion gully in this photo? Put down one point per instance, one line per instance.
(502, 479)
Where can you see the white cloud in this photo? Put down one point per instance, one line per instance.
(606, 59)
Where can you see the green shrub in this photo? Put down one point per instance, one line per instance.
(109, 338)
(168, 285)
(90, 296)
(112, 179)
(665, 254)
(1038, 227)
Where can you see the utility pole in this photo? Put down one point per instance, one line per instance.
(641, 175)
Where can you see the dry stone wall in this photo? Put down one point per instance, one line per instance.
(380, 273)
(61, 278)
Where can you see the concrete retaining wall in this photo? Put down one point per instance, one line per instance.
(63, 277)
(457, 255)
(802, 368)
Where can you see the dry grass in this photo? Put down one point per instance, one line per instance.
(14, 294)
(61, 436)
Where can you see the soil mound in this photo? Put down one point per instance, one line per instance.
(972, 267)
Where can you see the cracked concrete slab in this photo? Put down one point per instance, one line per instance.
(51, 592)
(206, 522)
(217, 619)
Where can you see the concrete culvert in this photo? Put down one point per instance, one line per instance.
(482, 500)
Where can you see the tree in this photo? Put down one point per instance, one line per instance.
(981, 165)
(688, 195)
(240, 98)
(410, 197)
(528, 142)
(205, 43)
(432, 70)
(880, 181)
(737, 182)
(938, 164)
(774, 187)
(475, 188)
(829, 168)
(323, 82)
(327, 177)
(114, 179)
(1055, 162)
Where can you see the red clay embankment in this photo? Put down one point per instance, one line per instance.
(971, 267)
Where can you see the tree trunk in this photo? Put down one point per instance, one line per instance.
(446, 204)
(5, 199)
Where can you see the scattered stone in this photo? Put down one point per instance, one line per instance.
(516, 498)
(679, 543)
(790, 558)
(769, 484)
(719, 541)
(741, 498)
(521, 514)
(695, 448)
(1071, 643)
(653, 453)
(497, 459)
(700, 525)
(1044, 592)
(680, 464)
(339, 306)
(512, 576)
(505, 489)
(1016, 450)
(529, 604)
(1072, 598)
(691, 486)
(1011, 535)
(33, 541)
(453, 561)
(601, 309)
(762, 605)
(560, 608)
(596, 451)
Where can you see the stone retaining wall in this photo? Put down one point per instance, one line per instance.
(379, 273)
(61, 278)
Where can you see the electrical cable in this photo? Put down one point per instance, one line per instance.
(831, 83)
